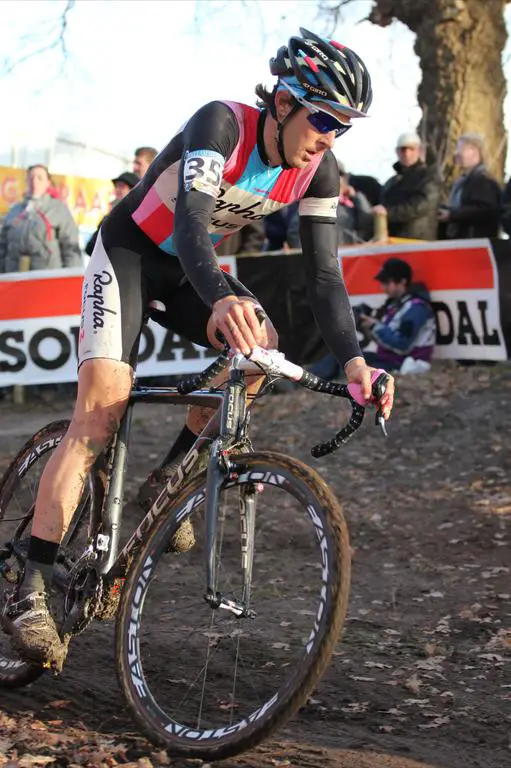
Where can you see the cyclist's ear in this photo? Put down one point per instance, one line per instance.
(284, 103)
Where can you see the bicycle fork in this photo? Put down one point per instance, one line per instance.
(219, 469)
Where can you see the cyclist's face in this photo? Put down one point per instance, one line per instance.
(301, 140)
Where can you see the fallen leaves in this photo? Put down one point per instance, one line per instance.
(413, 684)
(436, 723)
(425, 655)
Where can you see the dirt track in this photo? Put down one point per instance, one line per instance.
(422, 678)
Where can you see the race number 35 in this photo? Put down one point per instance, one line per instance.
(203, 171)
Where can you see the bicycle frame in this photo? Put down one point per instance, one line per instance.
(225, 428)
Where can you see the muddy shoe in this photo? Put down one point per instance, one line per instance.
(184, 538)
(33, 632)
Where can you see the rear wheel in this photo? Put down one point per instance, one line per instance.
(203, 682)
(18, 492)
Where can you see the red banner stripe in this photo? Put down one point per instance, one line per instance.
(52, 297)
(446, 269)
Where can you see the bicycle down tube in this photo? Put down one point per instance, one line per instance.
(109, 561)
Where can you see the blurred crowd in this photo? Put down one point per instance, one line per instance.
(40, 233)
(409, 203)
(41, 229)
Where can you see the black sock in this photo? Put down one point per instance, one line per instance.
(182, 445)
(39, 566)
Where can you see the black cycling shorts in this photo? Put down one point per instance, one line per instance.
(126, 272)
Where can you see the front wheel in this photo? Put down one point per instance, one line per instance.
(202, 682)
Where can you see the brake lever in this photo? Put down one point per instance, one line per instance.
(378, 390)
(380, 422)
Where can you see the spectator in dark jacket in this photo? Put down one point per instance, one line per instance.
(368, 185)
(354, 214)
(40, 227)
(505, 218)
(410, 198)
(473, 209)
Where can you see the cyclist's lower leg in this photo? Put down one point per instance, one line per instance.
(103, 390)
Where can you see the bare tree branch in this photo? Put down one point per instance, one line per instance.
(333, 12)
(57, 35)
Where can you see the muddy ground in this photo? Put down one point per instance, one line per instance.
(422, 677)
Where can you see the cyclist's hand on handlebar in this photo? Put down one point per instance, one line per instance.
(235, 318)
(357, 372)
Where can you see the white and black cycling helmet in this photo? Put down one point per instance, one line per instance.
(315, 69)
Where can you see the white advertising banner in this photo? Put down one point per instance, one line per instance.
(40, 312)
(40, 323)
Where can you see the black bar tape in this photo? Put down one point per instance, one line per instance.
(185, 386)
(342, 437)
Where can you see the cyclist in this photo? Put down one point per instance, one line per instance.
(229, 165)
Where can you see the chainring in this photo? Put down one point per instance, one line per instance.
(83, 597)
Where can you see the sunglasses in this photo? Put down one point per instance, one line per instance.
(321, 120)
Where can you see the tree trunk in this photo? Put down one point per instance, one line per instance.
(459, 44)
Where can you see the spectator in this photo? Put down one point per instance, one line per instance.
(354, 214)
(410, 198)
(144, 156)
(505, 219)
(122, 185)
(473, 209)
(404, 328)
(368, 185)
(40, 227)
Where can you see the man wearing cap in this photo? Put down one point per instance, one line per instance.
(122, 185)
(404, 328)
(410, 198)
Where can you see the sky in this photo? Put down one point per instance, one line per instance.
(137, 69)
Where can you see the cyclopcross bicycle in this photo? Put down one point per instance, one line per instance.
(216, 647)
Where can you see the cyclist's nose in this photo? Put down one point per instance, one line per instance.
(327, 140)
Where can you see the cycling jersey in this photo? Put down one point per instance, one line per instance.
(211, 179)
